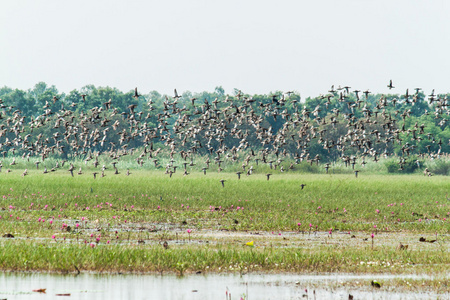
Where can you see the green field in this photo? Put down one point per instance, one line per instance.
(120, 223)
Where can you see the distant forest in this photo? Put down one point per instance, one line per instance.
(399, 124)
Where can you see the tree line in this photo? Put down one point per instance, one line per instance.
(330, 107)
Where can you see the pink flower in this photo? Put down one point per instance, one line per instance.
(189, 231)
(372, 235)
(53, 236)
(299, 224)
(77, 225)
(92, 245)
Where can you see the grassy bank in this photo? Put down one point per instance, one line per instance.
(193, 258)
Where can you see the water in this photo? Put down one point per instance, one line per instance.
(252, 286)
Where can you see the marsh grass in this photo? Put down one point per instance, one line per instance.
(186, 258)
(341, 202)
(153, 208)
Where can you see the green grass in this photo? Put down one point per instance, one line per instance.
(68, 257)
(124, 209)
(412, 203)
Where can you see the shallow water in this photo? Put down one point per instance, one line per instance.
(252, 286)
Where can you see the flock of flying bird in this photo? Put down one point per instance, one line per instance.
(210, 126)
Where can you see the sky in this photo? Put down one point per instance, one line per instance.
(256, 46)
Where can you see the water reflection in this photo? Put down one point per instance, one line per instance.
(252, 286)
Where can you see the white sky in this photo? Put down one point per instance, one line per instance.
(257, 46)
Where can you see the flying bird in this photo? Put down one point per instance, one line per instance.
(390, 86)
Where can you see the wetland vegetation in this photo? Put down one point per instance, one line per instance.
(139, 223)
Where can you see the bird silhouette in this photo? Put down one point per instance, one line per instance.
(136, 95)
(390, 86)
